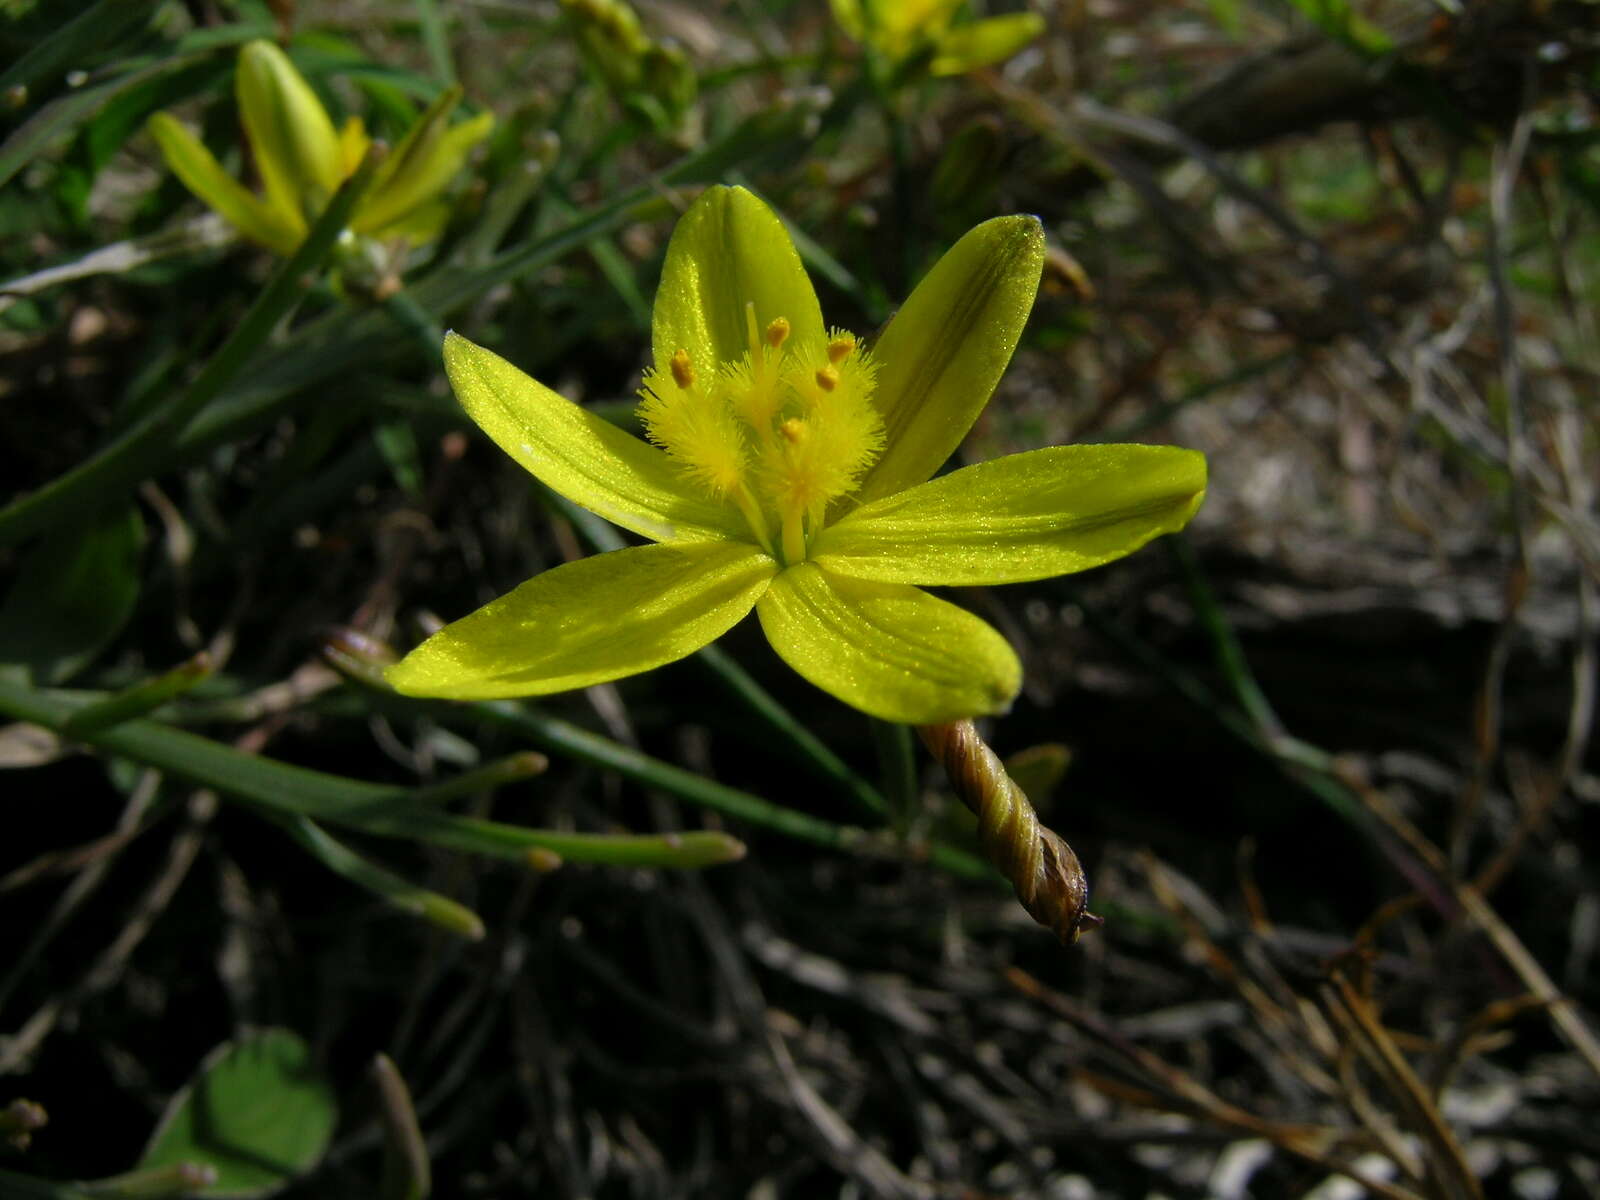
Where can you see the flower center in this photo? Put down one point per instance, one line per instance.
(779, 433)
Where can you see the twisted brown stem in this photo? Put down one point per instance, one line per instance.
(1041, 867)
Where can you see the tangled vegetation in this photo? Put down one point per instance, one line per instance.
(283, 917)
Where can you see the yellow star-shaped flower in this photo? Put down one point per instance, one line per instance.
(303, 160)
(791, 472)
(902, 29)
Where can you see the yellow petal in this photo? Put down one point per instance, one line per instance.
(353, 143)
(422, 224)
(203, 175)
(586, 459)
(948, 346)
(296, 148)
(895, 27)
(1026, 516)
(728, 250)
(889, 650)
(424, 163)
(994, 39)
(590, 621)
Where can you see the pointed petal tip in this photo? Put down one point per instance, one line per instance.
(399, 678)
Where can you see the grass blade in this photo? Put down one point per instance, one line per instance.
(381, 882)
(383, 810)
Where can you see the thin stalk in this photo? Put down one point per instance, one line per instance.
(407, 1173)
(140, 699)
(897, 767)
(381, 882)
(556, 735)
(285, 790)
(1230, 654)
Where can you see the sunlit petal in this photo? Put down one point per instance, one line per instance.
(586, 459)
(200, 172)
(590, 621)
(296, 148)
(729, 250)
(1026, 516)
(947, 347)
(889, 650)
(424, 163)
(982, 43)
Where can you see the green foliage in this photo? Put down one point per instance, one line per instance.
(258, 1112)
(238, 487)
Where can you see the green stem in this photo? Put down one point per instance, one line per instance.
(560, 737)
(487, 778)
(897, 766)
(140, 699)
(381, 882)
(386, 811)
(812, 749)
(1230, 654)
(407, 1173)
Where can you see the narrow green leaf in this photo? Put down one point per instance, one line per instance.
(407, 1174)
(64, 114)
(258, 1111)
(511, 769)
(100, 24)
(397, 442)
(1039, 770)
(403, 894)
(561, 737)
(373, 808)
(431, 22)
(154, 1183)
(1339, 20)
(140, 699)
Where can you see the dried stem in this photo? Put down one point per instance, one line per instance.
(1041, 867)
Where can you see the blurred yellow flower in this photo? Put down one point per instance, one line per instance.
(902, 29)
(303, 160)
(790, 472)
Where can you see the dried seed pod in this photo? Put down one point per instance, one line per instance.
(1041, 867)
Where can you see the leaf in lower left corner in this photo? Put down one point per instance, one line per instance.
(258, 1110)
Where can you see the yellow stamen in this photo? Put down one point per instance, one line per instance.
(777, 433)
(682, 371)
